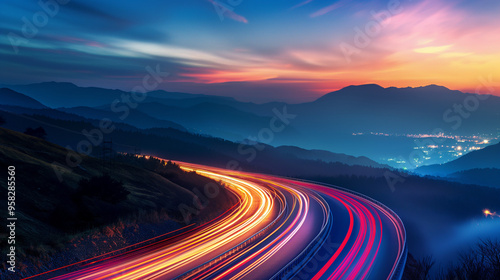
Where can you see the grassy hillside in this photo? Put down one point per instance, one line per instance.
(52, 209)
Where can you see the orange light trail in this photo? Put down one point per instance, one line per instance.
(274, 222)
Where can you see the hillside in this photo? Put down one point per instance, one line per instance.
(215, 119)
(372, 108)
(135, 117)
(488, 157)
(382, 124)
(340, 121)
(54, 208)
(482, 176)
(12, 98)
(180, 145)
(54, 94)
(327, 156)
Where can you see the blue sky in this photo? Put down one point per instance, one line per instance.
(252, 50)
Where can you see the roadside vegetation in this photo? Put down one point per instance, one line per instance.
(481, 261)
(68, 214)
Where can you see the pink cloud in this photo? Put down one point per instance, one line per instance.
(234, 16)
(75, 40)
(427, 42)
(432, 23)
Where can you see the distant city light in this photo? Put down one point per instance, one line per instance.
(487, 213)
(436, 150)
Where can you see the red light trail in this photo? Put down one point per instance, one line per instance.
(274, 231)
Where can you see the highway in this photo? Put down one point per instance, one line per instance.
(280, 229)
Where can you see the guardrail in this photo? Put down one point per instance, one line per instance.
(235, 249)
(295, 265)
(398, 271)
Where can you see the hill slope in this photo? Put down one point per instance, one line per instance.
(184, 146)
(488, 157)
(13, 98)
(327, 156)
(372, 108)
(53, 210)
(365, 120)
(484, 177)
(135, 117)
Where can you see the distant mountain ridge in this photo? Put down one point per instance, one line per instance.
(489, 177)
(12, 98)
(180, 145)
(134, 117)
(372, 108)
(488, 157)
(327, 156)
(333, 122)
(64, 94)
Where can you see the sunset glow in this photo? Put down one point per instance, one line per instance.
(238, 139)
(395, 43)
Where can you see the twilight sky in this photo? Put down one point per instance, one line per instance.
(293, 50)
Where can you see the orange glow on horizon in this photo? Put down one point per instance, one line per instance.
(430, 43)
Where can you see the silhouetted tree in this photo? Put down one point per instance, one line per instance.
(418, 269)
(2, 120)
(37, 132)
(480, 262)
(104, 188)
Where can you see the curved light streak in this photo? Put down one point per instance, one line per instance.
(273, 225)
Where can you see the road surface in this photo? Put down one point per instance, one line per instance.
(280, 229)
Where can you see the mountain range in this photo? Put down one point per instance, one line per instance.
(480, 167)
(12, 98)
(366, 120)
(64, 126)
(328, 140)
(488, 157)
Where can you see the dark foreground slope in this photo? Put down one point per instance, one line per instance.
(53, 208)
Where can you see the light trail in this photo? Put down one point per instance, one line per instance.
(274, 231)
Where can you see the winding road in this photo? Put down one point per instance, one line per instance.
(280, 229)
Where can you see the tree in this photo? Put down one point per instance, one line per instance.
(418, 269)
(37, 132)
(2, 120)
(482, 261)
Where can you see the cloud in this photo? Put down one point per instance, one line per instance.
(325, 10)
(301, 4)
(234, 16)
(433, 49)
(278, 52)
(224, 10)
